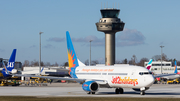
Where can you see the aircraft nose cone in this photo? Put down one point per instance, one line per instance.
(150, 80)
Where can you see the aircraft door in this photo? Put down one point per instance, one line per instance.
(133, 77)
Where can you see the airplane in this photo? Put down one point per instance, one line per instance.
(175, 70)
(149, 64)
(94, 77)
(8, 70)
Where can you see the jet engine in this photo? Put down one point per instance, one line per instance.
(14, 71)
(138, 89)
(90, 86)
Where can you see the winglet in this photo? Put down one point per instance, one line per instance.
(149, 64)
(175, 67)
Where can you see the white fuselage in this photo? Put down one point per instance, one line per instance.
(120, 76)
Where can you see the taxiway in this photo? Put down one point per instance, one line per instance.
(75, 90)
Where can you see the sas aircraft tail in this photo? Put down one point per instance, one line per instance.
(72, 58)
(149, 64)
(10, 66)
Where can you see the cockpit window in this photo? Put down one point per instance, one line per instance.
(144, 73)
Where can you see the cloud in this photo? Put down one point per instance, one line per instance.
(33, 46)
(48, 46)
(95, 40)
(56, 39)
(130, 37)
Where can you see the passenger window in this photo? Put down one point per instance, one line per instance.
(146, 73)
(140, 73)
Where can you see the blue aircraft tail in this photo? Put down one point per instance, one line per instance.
(175, 67)
(72, 58)
(10, 65)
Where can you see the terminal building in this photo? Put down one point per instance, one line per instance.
(167, 67)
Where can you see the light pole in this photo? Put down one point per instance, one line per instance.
(161, 58)
(90, 54)
(40, 52)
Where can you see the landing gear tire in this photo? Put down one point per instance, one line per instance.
(93, 92)
(119, 90)
(142, 93)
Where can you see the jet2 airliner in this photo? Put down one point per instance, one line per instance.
(93, 78)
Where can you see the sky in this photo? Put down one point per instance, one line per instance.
(148, 25)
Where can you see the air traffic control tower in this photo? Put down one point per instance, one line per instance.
(110, 24)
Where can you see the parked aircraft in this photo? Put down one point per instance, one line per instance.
(149, 64)
(175, 70)
(94, 77)
(8, 70)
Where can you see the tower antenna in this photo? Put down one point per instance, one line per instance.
(104, 6)
(118, 6)
(101, 5)
(107, 4)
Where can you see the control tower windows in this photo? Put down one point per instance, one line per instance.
(110, 13)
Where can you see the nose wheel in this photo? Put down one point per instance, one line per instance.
(119, 91)
(142, 93)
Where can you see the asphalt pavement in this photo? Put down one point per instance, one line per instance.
(75, 90)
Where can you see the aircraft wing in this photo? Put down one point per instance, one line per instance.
(172, 77)
(164, 75)
(62, 69)
(101, 82)
(51, 77)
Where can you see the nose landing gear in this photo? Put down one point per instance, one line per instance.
(142, 93)
(143, 90)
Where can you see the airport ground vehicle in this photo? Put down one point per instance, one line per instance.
(173, 81)
(35, 81)
(11, 81)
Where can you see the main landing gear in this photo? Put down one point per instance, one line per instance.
(119, 90)
(91, 93)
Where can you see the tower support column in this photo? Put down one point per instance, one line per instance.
(110, 48)
(110, 24)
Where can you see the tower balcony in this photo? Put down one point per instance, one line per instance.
(110, 26)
